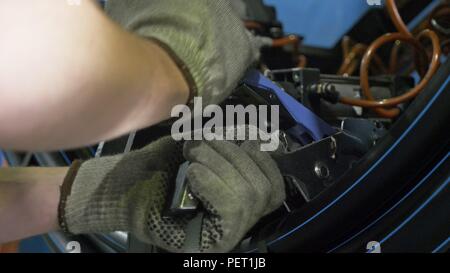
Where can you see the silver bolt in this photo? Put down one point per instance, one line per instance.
(321, 170)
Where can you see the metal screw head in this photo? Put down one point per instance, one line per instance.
(321, 170)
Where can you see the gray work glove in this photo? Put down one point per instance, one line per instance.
(205, 38)
(235, 185)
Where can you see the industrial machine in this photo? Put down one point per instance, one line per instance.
(364, 138)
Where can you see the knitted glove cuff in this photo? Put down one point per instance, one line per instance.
(205, 38)
(65, 191)
(92, 202)
(183, 49)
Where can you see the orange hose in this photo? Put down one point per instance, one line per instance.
(295, 42)
(370, 102)
(403, 35)
(281, 42)
(302, 61)
(350, 57)
(350, 63)
(393, 63)
(350, 68)
(402, 28)
(288, 40)
(12, 247)
(346, 46)
(396, 18)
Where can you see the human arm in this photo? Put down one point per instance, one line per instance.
(29, 201)
(70, 76)
(88, 79)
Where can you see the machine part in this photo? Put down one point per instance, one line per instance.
(246, 95)
(350, 56)
(320, 92)
(307, 123)
(311, 168)
(262, 21)
(438, 27)
(376, 185)
(435, 63)
(321, 170)
(183, 202)
(369, 132)
(438, 19)
(403, 35)
(315, 167)
(397, 162)
(307, 128)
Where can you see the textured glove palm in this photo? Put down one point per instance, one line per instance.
(236, 186)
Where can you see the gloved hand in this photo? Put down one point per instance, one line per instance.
(235, 185)
(205, 38)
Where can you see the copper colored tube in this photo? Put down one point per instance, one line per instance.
(396, 18)
(393, 63)
(350, 62)
(370, 102)
(281, 42)
(302, 61)
(345, 46)
(350, 68)
(403, 35)
(350, 57)
(402, 28)
(288, 40)
(10, 248)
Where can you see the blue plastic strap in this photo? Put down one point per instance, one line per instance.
(307, 122)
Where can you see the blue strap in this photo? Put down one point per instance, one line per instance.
(309, 126)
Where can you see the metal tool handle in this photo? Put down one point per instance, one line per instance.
(183, 202)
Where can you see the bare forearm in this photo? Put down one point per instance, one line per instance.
(28, 201)
(82, 78)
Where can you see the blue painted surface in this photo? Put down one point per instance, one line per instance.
(35, 244)
(321, 22)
